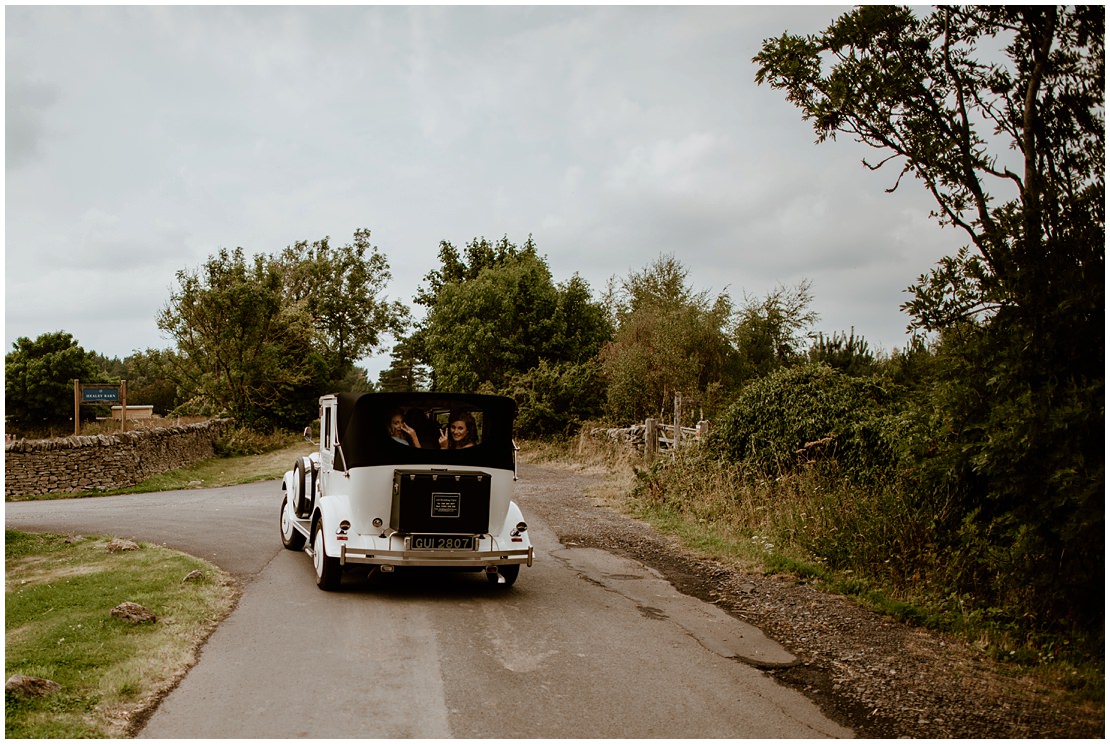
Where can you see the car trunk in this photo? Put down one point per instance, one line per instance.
(440, 501)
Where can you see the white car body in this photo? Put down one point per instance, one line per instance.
(366, 498)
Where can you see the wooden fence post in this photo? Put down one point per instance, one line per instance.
(651, 440)
(677, 419)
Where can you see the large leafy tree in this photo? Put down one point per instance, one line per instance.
(241, 348)
(499, 313)
(405, 373)
(771, 332)
(999, 113)
(340, 288)
(38, 379)
(668, 339)
(261, 338)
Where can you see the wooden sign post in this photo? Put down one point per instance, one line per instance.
(107, 392)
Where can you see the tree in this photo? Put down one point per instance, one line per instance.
(668, 340)
(405, 373)
(844, 352)
(262, 339)
(999, 113)
(922, 90)
(770, 332)
(241, 348)
(38, 379)
(500, 313)
(340, 290)
(147, 384)
(553, 399)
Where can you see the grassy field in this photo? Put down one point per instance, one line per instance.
(58, 596)
(57, 625)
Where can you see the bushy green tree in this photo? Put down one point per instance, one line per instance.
(38, 379)
(553, 399)
(340, 288)
(669, 339)
(405, 374)
(261, 339)
(845, 352)
(999, 112)
(500, 313)
(772, 332)
(147, 383)
(241, 348)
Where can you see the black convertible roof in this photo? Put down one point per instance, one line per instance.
(363, 429)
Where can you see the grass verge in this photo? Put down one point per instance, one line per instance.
(765, 528)
(58, 596)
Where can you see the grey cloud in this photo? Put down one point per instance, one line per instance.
(27, 104)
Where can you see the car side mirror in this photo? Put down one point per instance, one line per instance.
(308, 435)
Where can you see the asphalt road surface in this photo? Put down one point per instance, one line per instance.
(585, 645)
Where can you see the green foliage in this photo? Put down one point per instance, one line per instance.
(500, 315)
(999, 112)
(38, 379)
(770, 332)
(261, 340)
(554, 399)
(843, 352)
(339, 288)
(405, 374)
(241, 349)
(146, 384)
(809, 413)
(1026, 461)
(244, 442)
(668, 340)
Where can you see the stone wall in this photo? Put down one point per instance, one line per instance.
(96, 463)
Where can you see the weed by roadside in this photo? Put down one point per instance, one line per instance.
(822, 533)
(59, 593)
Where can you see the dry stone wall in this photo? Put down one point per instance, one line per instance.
(106, 461)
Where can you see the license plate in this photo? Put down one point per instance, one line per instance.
(442, 542)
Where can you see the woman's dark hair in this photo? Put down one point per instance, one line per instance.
(471, 428)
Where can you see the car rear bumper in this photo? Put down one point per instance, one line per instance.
(457, 558)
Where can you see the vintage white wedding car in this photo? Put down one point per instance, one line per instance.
(408, 479)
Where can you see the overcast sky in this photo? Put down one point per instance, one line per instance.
(141, 140)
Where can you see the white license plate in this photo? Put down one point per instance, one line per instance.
(443, 542)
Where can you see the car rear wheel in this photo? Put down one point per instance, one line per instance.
(291, 537)
(328, 570)
(509, 573)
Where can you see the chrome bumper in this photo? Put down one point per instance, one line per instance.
(408, 557)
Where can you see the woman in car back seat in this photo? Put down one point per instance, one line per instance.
(461, 432)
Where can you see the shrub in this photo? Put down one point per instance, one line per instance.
(244, 441)
(810, 413)
(553, 399)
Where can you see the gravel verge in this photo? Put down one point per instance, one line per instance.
(869, 672)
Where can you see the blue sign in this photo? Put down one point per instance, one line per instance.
(101, 394)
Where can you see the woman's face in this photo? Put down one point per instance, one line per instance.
(458, 430)
(395, 425)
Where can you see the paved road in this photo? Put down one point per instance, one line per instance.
(586, 645)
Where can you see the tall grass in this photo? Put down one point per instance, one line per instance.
(875, 544)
